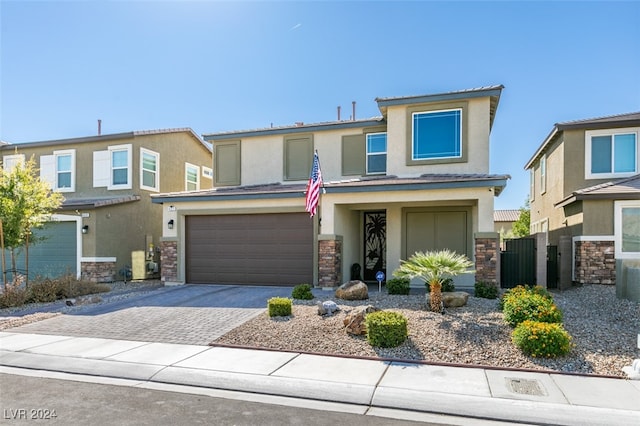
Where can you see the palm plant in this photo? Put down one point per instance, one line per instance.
(434, 267)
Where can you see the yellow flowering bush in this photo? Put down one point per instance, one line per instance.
(541, 339)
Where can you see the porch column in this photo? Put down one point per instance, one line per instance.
(169, 260)
(487, 254)
(329, 260)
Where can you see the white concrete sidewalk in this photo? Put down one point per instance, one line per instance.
(538, 398)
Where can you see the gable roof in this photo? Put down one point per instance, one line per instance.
(618, 120)
(366, 184)
(622, 189)
(506, 215)
(108, 137)
(91, 203)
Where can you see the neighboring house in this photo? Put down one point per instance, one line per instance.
(504, 219)
(107, 223)
(585, 190)
(416, 178)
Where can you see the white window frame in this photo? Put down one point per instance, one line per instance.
(10, 161)
(617, 228)
(372, 154)
(156, 173)
(186, 176)
(460, 138)
(532, 183)
(543, 174)
(207, 172)
(72, 153)
(115, 148)
(609, 132)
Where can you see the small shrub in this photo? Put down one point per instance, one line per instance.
(13, 295)
(486, 290)
(541, 339)
(386, 329)
(43, 291)
(530, 306)
(447, 285)
(398, 286)
(279, 306)
(302, 291)
(521, 290)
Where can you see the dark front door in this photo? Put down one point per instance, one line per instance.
(375, 244)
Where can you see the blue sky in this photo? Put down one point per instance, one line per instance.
(217, 66)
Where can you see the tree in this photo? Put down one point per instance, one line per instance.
(26, 203)
(522, 225)
(434, 267)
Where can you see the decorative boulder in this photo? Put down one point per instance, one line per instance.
(327, 307)
(354, 321)
(353, 290)
(454, 299)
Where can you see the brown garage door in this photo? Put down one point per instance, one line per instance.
(256, 249)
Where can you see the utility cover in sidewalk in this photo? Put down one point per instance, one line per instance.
(525, 386)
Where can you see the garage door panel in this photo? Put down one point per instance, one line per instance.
(265, 249)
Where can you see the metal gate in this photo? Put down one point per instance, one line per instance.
(518, 262)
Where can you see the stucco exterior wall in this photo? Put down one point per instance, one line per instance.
(477, 128)
(598, 217)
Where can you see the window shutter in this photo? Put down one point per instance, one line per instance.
(353, 155)
(48, 169)
(101, 169)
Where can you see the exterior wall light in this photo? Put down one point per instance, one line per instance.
(85, 229)
(170, 224)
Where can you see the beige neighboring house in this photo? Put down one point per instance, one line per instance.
(504, 219)
(585, 195)
(107, 223)
(415, 178)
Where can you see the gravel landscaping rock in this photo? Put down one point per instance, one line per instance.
(604, 331)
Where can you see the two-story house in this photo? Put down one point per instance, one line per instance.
(415, 178)
(585, 194)
(107, 224)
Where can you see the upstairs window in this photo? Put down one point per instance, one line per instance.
(64, 170)
(611, 155)
(192, 177)
(376, 153)
(120, 168)
(437, 134)
(543, 174)
(112, 168)
(149, 163)
(59, 170)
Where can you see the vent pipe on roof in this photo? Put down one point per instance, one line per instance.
(99, 127)
(338, 112)
(353, 114)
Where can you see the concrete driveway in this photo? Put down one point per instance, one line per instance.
(188, 314)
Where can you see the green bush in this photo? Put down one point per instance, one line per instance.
(386, 329)
(302, 291)
(486, 290)
(398, 286)
(524, 289)
(447, 285)
(541, 339)
(279, 306)
(530, 306)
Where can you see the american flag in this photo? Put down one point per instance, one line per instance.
(313, 187)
